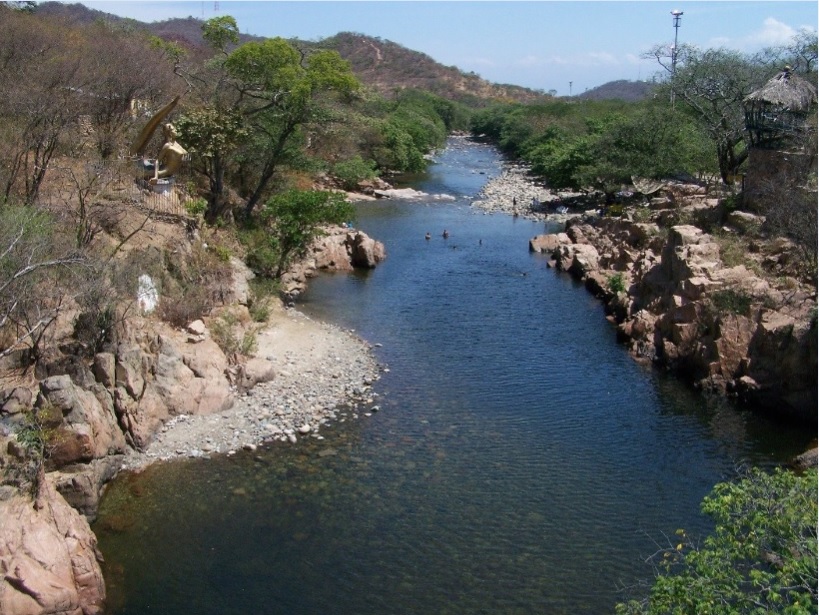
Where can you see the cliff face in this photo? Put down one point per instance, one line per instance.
(48, 556)
(678, 305)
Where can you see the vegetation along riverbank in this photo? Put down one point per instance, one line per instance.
(162, 209)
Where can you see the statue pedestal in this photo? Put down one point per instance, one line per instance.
(162, 186)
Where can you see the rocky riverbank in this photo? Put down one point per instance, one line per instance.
(516, 192)
(162, 392)
(694, 288)
(322, 374)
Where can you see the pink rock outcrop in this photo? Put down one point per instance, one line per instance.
(724, 328)
(49, 558)
(338, 249)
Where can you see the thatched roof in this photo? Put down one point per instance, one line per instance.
(786, 91)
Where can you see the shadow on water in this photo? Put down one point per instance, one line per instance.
(521, 461)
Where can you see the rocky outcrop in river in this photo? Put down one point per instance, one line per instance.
(339, 249)
(742, 324)
(678, 305)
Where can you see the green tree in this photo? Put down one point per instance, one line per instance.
(761, 557)
(292, 220)
(651, 141)
(351, 172)
(279, 91)
(712, 84)
(220, 31)
(212, 136)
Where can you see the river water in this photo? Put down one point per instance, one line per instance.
(521, 461)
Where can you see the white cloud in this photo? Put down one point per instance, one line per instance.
(773, 32)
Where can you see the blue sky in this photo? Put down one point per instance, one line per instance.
(537, 44)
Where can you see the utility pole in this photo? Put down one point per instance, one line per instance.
(677, 15)
(570, 88)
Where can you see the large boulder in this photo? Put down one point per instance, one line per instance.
(546, 244)
(365, 252)
(191, 379)
(85, 429)
(49, 557)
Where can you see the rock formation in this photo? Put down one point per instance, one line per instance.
(678, 305)
(339, 249)
(48, 556)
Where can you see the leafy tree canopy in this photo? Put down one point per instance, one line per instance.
(761, 558)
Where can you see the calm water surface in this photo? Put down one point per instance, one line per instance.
(521, 462)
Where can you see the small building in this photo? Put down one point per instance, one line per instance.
(780, 118)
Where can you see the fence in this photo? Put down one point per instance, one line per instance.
(121, 181)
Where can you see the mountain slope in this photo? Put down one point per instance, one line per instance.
(629, 91)
(380, 64)
(386, 66)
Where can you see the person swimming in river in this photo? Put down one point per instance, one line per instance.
(445, 234)
(427, 236)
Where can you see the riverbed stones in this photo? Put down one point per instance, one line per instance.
(321, 373)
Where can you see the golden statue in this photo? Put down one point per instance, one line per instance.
(170, 156)
(169, 159)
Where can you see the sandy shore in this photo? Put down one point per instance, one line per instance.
(323, 374)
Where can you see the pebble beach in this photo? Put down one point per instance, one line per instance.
(323, 374)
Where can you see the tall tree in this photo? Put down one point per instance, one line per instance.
(279, 91)
(712, 84)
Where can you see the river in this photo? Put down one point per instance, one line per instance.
(521, 461)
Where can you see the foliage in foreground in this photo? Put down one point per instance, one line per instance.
(761, 558)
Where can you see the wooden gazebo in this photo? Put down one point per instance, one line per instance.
(780, 111)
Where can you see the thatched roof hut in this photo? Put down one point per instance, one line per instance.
(780, 109)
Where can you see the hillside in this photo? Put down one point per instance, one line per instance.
(628, 91)
(380, 64)
(387, 66)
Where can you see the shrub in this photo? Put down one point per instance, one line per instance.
(616, 283)
(196, 207)
(37, 435)
(292, 220)
(228, 334)
(761, 557)
(351, 172)
(182, 308)
(731, 301)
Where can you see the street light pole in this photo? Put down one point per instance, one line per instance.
(677, 14)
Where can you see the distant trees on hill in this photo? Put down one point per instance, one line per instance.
(693, 123)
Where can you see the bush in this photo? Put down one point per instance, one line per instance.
(761, 557)
(228, 334)
(180, 309)
(730, 301)
(292, 220)
(351, 172)
(196, 207)
(617, 284)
